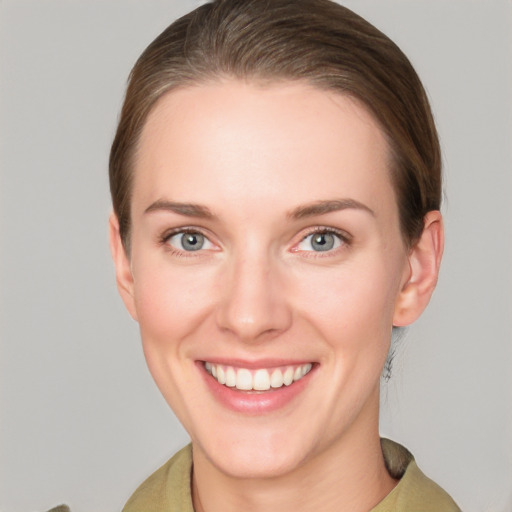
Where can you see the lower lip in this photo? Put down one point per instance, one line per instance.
(254, 402)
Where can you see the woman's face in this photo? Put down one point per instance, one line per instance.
(265, 247)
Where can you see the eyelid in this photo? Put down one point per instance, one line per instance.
(344, 237)
(164, 238)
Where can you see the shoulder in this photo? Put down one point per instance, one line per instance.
(414, 491)
(167, 489)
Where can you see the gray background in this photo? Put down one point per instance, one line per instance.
(81, 420)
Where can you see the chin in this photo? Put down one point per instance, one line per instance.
(263, 455)
(256, 463)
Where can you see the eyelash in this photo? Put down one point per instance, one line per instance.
(167, 235)
(344, 238)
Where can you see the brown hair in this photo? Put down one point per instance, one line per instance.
(315, 41)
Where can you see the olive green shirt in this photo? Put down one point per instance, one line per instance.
(168, 489)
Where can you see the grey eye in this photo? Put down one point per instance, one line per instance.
(189, 241)
(192, 241)
(320, 242)
(323, 241)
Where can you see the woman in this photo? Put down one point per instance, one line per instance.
(276, 186)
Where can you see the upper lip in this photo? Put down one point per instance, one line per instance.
(256, 364)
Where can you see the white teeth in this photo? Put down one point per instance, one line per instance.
(288, 376)
(276, 381)
(230, 377)
(221, 375)
(243, 379)
(259, 380)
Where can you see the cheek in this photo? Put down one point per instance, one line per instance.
(171, 304)
(170, 301)
(352, 305)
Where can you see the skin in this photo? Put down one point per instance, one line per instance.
(253, 156)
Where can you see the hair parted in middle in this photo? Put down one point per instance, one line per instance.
(317, 42)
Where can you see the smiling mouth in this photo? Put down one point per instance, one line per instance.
(262, 379)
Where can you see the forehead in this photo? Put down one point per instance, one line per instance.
(239, 141)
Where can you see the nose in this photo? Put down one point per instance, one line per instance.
(254, 304)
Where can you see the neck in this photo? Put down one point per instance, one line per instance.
(350, 474)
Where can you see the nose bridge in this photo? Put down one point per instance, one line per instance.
(253, 301)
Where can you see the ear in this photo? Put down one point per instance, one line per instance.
(421, 278)
(124, 276)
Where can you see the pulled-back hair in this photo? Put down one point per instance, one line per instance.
(315, 41)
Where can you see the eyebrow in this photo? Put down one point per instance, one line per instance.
(186, 209)
(323, 207)
(301, 212)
